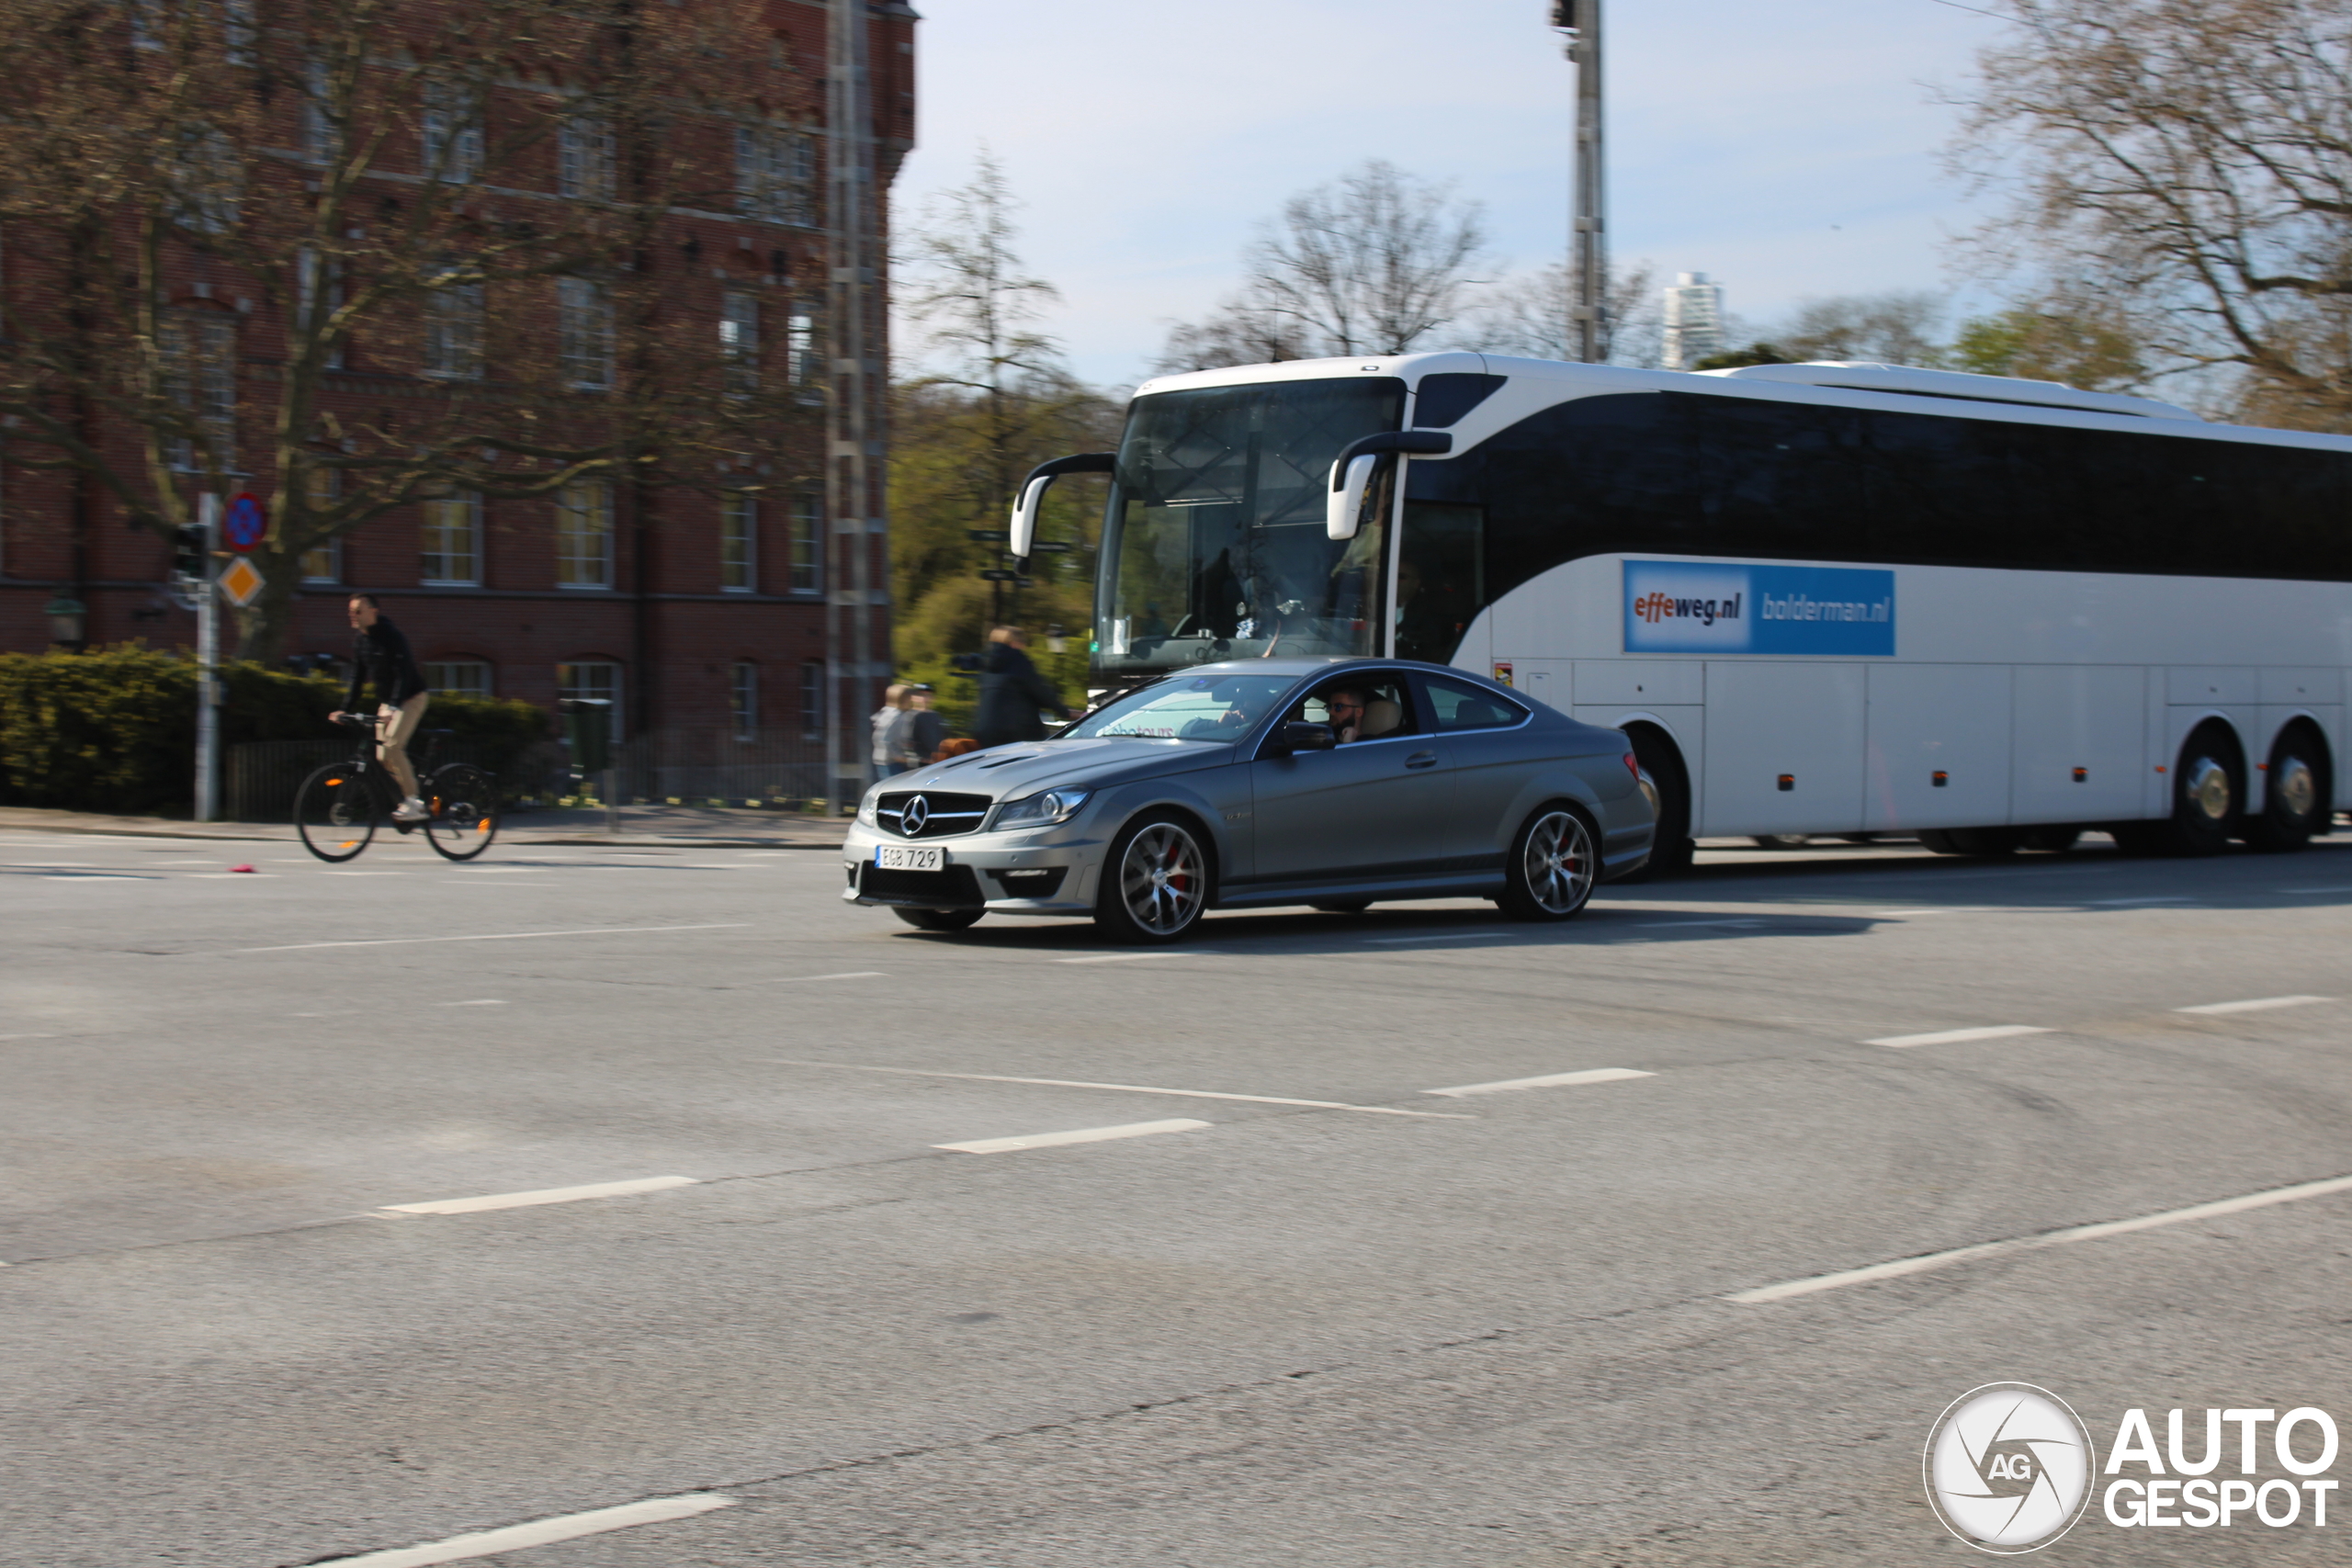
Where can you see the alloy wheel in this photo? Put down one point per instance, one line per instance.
(1160, 879)
(1558, 864)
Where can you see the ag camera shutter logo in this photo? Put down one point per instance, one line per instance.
(2009, 1468)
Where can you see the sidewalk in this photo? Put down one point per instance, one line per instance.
(653, 827)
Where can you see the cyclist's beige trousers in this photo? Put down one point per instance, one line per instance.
(394, 728)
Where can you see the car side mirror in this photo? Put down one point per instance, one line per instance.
(1300, 736)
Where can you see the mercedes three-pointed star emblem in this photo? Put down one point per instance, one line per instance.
(911, 820)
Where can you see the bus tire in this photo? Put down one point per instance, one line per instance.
(1977, 842)
(2298, 800)
(2208, 798)
(1935, 841)
(1661, 760)
(2049, 841)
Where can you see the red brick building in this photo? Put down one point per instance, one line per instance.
(686, 609)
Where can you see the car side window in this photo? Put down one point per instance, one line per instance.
(1457, 705)
(1360, 707)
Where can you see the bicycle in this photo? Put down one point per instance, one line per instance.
(337, 809)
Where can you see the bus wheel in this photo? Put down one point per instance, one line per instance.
(1982, 842)
(2206, 799)
(2296, 805)
(1662, 763)
(2049, 841)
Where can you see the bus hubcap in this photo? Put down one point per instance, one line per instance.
(2209, 789)
(2296, 786)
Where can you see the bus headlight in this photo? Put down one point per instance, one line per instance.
(1042, 810)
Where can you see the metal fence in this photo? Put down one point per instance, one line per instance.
(720, 767)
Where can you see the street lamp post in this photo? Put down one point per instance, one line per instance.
(1588, 242)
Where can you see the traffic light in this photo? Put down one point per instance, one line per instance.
(187, 552)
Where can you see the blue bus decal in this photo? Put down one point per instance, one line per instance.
(1695, 607)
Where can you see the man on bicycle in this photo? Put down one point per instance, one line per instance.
(380, 653)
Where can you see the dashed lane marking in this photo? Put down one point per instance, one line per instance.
(2257, 1004)
(1133, 1089)
(546, 1195)
(476, 1002)
(496, 936)
(804, 979)
(1082, 1135)
(1959, 1036)
(1931, 1260)
(1549, 1080)
(1658, 925)
(543, 1532)
(1432, 936)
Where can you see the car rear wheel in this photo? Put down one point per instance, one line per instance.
(1553, 865)
(937, 920)
(1155, 881)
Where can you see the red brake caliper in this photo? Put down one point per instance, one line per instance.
(1176, 876)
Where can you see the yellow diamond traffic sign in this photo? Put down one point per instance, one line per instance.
(241, 583)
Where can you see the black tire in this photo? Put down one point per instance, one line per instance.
(1671, 852)
(2049, 841)
(1935, 841)
(335, 813)
(463, 801)
(1342, 905)
(2299, 801)
(1978, 842)
(1155, 881)
(1554, 866)
(2208, 798)
(937, 920)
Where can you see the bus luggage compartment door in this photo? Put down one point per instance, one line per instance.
(2081, 743)
(1938, 747)
(1784, 748)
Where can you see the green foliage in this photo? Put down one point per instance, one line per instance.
(115, 729)
(1754, 354)
(2050, 345)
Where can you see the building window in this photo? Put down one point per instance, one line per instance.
(199, 371)
(585, 159)
(322, 563)
(738, 523)
(453, 541)
(452, 133)
(240, 30)
(458, 677)
(807, 544)
(800, 193)
(208, 181)
(738, 340)
(592, 679)
(322, 141)
(319, 287)
(812, 698)
(743, 699)
(584, 536)
(805, 353)
(453, 323)
(584, 334)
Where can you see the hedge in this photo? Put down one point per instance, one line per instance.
(115, 729)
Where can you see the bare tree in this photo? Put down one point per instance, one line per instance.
(383, 204)
(1373, 263)
(1886, 329)
(2188, 164)
(1532, 314)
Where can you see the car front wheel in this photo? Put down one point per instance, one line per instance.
(1553, 865)
(1155, 881)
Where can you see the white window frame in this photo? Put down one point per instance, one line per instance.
(587, 159)
(201, 375)
(320, 145)
(743, 698)
(449, 133)
(611, 689)
(584, 335)
(738, 543)
(584, 511)
(434, 524)
(804, 348)
(436, 672)
(807, 556)
(738, 340)
(812, 698)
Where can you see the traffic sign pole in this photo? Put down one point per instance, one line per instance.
(208, 660)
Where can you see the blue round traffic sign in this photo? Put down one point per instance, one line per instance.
(244, 523)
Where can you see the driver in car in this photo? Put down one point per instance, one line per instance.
(1346, 707)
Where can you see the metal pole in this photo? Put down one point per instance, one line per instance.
(848, 474)
(207, 661)
(1588, 241)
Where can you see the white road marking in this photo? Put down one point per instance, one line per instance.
(477, 1002)
(2158, 899)
(1549, 1080)
(495, 936)
(99, 876)
(547, 1195)
(1130, 957)
(544, 1532)
(2259, 1004)
(363, 874)
(1957, 1036)
(227, 875)
(2049, 1238)
(28, 1036)
(1083, 1136)
(1133, 1088)
(1459, 936)
(1654, 925)
(799, 979)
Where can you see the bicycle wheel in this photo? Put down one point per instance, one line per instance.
(336, 812)
(462, 804)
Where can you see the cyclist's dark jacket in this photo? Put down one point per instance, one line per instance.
(380, 654)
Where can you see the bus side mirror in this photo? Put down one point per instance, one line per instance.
(1023, 541)
(1352, 473)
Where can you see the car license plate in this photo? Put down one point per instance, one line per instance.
(910, 857)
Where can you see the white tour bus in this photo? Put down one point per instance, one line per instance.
(1827, 599)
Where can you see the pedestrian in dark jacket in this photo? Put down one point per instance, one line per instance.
(1013, 693)
(926, 730)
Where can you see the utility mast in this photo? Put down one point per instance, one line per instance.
(1579, 21)
(849, 501)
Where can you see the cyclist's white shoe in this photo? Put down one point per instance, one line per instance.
(411, 810)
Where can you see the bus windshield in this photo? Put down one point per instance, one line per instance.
(1214, 546)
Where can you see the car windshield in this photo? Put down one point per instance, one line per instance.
(1196, 707)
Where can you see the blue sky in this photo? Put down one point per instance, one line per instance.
(1786, 150)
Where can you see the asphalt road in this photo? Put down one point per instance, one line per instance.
(1336, 1320)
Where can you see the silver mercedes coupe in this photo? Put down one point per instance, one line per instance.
(1332, 783)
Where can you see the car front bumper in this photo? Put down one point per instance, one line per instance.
(1043, 871)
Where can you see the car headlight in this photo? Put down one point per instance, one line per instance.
(865, 817)
(1041, 810)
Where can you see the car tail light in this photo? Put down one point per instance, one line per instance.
(1633, 764)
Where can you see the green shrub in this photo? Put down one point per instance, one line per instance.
(115, 729)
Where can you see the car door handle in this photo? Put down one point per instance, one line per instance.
(1422, 760)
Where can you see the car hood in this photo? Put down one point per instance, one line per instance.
(1008, 772)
